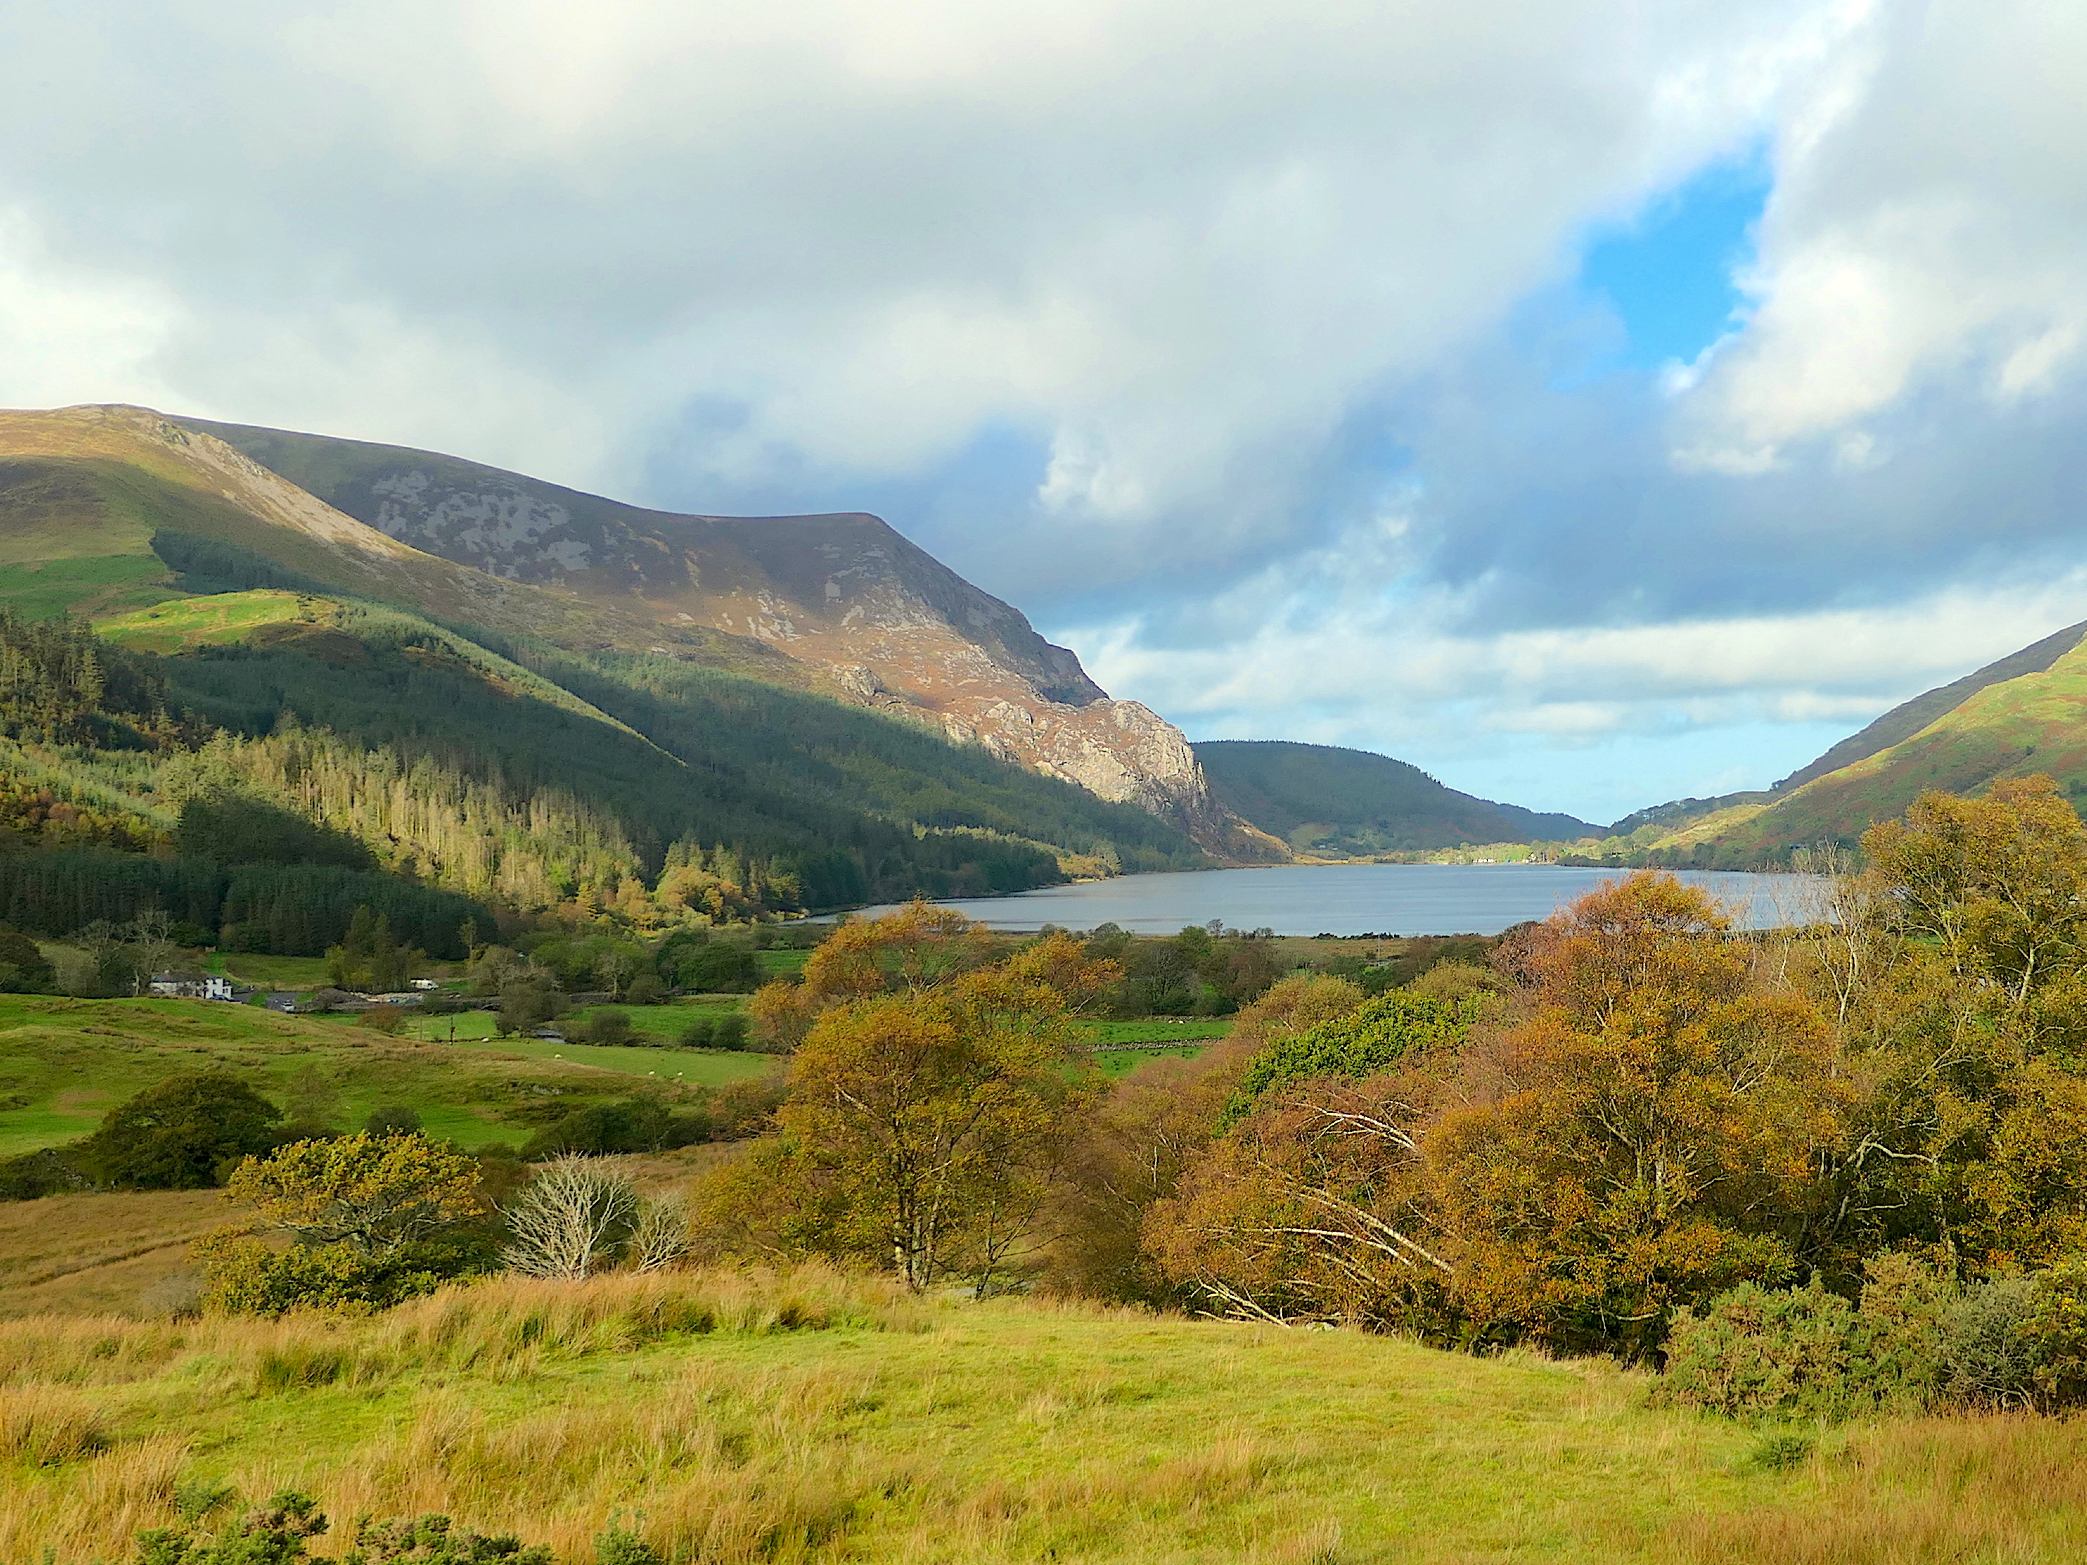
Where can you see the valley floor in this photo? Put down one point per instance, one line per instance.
(810, 1417)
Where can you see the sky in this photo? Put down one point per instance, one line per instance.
(1593, 404)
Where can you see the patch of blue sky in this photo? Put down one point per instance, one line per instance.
(1667, 272)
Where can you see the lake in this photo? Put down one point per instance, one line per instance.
(1361, 899)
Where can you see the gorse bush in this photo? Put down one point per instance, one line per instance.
(1367, 1041)
(1919, 1340)
(1790, 1353)
(281, 1532)
(370, 1220)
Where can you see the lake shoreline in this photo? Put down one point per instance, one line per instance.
(1357, 899)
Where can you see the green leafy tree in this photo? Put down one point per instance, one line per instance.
(23, 968)
(370, 958)
(528, 1003)
(374, 1193)
(921, 1127)
(185, 1133)
(370, 1220)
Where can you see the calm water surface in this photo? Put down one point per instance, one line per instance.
(1362, 899)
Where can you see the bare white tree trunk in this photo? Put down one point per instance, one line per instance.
(661, 1237)
(570, 1219)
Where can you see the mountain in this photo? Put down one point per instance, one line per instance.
(1324, 800)
(870, 616)
(2024, 714)
(1906, 720)
(657, 700)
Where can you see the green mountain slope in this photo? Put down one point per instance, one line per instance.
(1325, 800)
(1904, 721)
(854, 608)
(2023, 715)
(526, 743)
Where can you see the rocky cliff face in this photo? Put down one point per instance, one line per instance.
(883, 622)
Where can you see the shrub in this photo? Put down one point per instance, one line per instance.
(377, 1193)
(1375, 1037)
(1918, 1340)
(244, 1275)
(183, 1134)
(436, 1540)
(372, 1219)
(280, 1533)
(607, 1027)
(23, 967)
(700, 1033)
(1908, 1311)
(1758, 1352)
(633, 1124)
(52, 1171)
(711, 966)
(275, 1534)
(528, 1003)
(2058, 1323)
(393, 1119)
(1990, 1354)
(387, 1019)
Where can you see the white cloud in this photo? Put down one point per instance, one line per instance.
(1396, 676)
(71, 336)
(1924, 235)
(1178, 242)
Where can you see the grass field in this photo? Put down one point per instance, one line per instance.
(1121, 1062)
(691, 1067)
(1160, 1029)
(781, 961)
(179, 624)
(123, 1253)
(92, 585)
(269, 972)
(64, 1063)
(808, 1417)
(663, 1022)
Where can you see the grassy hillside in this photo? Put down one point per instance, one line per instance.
(2032, 719)
(1904, 721)
(65, 1063)
(501, 704)
(1321, 799)
(805, 1417)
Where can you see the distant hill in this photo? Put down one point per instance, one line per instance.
(2024, 714)
(542, 719)
(1325, 800)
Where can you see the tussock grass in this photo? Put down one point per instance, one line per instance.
(44, 1426)
(806, 1416)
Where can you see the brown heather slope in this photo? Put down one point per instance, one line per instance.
(874, 618)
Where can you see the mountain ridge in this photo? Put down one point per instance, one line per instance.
(273, 613)
(875, 618)
(1329, 800)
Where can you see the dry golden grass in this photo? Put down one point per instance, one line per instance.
(808, 1416)
(120, 1254)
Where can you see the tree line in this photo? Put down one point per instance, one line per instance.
(705, 796)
